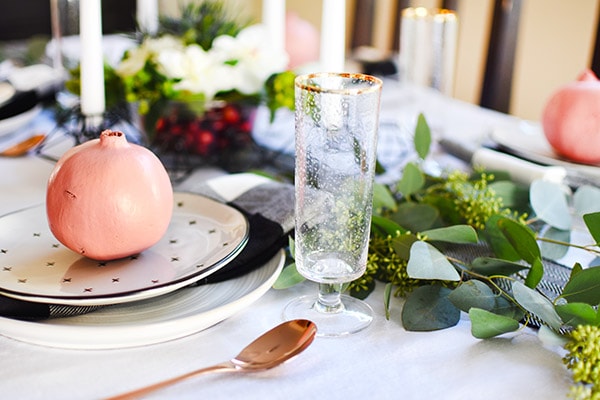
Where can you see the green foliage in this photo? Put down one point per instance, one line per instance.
(422, 137)
(279, 90)
(583, 359)
(428, 308)
(485, 324)
(201, 22)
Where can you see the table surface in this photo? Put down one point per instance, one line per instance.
(383, 361)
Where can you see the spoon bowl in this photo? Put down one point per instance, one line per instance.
(269, 350)
(23, 147)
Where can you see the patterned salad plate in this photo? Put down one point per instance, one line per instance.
(203, 236)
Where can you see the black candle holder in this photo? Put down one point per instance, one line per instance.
(72, 125)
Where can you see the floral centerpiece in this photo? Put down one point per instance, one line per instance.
(197, 82)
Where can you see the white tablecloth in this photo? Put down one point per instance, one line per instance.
(384, 361)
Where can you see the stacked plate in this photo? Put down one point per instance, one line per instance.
(150, 290)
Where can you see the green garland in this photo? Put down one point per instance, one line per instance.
(420, 227)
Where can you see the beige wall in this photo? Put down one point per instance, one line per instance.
(554, 45)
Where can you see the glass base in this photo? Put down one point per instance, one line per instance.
(352, 316)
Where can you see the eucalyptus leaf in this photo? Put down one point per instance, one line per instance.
(415, 217)
(386, 225)
(473, 293)
(485, 324)
(535, 274)
(536, 304)
(552, 250)
(422, 137)
(427, 308)
(288, 277)
(507, 308)
(426, 262)
(498, 241)
(586, 200)
(577, 314)
(521, 238)
(452, 234)
(412, 180)
(387, 295)
(549, 202)
(513, 196)
(489, 266)
(592, 221)
(583, 287)
(382, 198)
(402, 245)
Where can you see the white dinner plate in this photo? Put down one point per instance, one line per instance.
(12, 124)
(203, 236)
(160, 319)
(531, 144)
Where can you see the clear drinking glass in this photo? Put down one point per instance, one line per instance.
(336, 140)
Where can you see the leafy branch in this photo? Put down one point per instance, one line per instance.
(477, 244)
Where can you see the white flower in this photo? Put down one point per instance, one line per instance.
(197, 70)
(241, 63)
(251, 56)
(150, 49)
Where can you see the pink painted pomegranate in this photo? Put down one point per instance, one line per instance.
(571, 119)
(108, 199)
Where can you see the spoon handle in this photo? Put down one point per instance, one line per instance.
(227, 366)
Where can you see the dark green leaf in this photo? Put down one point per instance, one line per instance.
(507, 308)
(577, 268)
(415, 217)
(592, 221)
(521, 238)
(382, 198)
(402, 245)
(549, 202)
(586, 200)
(577, 314)
(422, 137)
(427, 308)
(555, 251)
(513, 196)
(535, 274)
(485, 324)
(426, 262)
(536, 304)
(473, 293)
(497, 241)
(489, 266)
(452, 234)
(363, 293)
(583, 287)
(387, 295)
(412, 180)
(288, 278)
(385, 225)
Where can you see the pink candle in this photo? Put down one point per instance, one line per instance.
(92, 64)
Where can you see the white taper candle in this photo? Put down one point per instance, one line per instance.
(333, 36)
(147, 16)
(92, 66)
(273, 17)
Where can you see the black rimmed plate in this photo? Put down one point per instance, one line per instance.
(203, 236)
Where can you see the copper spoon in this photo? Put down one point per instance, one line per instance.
(23, 147)
(267, 351)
